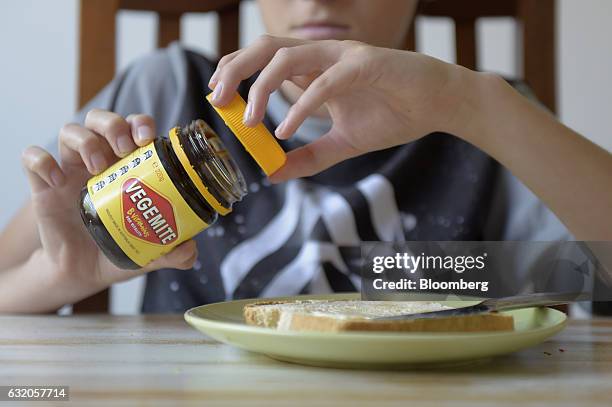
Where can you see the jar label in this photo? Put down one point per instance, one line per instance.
(141, 208)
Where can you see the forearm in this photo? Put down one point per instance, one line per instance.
(19, 239)
(32, 287)
(568, 172)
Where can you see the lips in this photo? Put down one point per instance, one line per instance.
(321, 31)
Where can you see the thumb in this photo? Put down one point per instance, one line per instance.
(328, 150)
(181, 257)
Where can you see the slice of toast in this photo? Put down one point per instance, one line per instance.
(355, 315)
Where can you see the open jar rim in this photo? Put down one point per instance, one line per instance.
(213, 164)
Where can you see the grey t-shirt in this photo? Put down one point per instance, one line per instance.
(300, 236)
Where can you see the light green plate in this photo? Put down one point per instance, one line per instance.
(224, 322)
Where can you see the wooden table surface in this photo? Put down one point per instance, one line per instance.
(151, 360)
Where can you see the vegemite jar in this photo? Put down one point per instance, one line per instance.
(170, 190)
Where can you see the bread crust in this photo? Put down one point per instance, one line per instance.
(256, 315)
(468, 323)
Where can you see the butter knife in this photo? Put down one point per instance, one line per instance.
(493, 304)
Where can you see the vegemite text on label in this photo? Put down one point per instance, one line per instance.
(147, 214)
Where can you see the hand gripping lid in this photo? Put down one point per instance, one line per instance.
(258, 141)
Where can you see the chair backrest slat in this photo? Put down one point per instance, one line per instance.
(176, 6)
(465, 43)
(538, 49)
(97, 51)
(169, 28)
(228, 37)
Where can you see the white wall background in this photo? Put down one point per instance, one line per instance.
(38, 43)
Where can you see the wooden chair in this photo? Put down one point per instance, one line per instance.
(536, 18)
(536, 45)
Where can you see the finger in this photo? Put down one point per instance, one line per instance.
(304, 81)
(142, 128)
(114, 128)
(302, 60)
(42, 169)
(181, 257)
(327, 85)
(78, 146)
(222, 62)
(245, 64)
(315, 157)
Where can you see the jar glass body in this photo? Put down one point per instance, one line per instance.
(205, 162)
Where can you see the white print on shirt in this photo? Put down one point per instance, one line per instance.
(312, 203)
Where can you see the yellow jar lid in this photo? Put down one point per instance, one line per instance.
(258, 141)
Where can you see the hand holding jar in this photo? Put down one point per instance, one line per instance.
(67, 252)
(143, 210)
